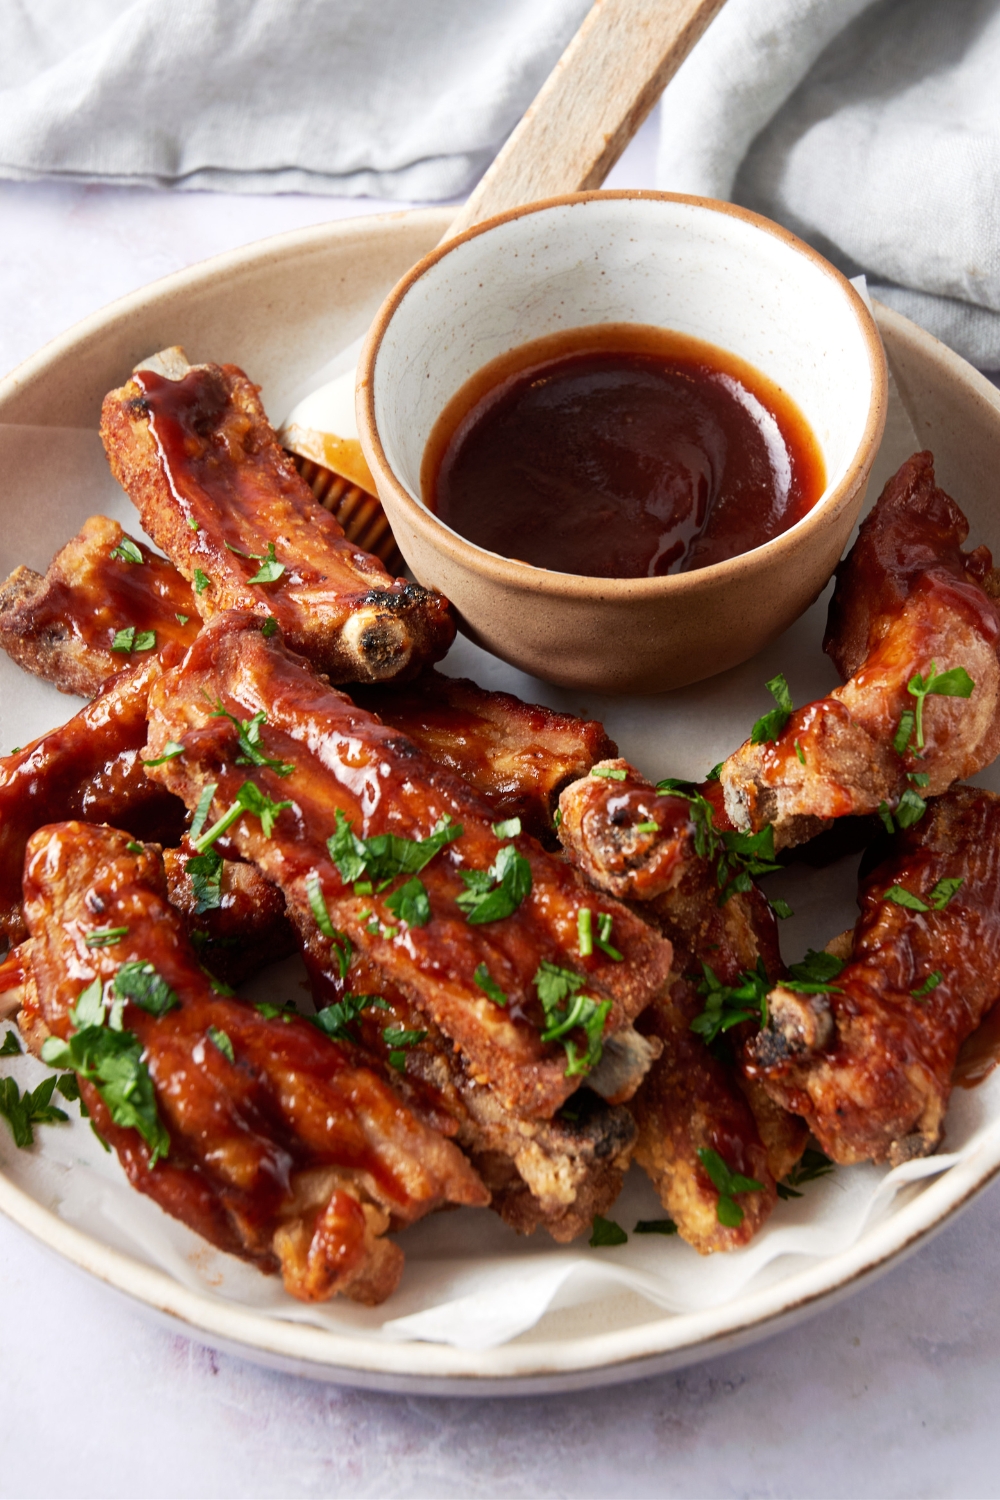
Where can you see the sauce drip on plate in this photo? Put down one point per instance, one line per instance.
(621, 451)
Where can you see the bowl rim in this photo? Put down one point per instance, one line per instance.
(527, 578)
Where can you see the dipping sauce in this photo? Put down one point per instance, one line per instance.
(621, 451)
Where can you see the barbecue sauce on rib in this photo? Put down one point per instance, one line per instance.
(621, 451)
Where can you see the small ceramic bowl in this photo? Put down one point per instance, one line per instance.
(698, 267)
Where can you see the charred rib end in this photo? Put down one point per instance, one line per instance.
(797, 1025)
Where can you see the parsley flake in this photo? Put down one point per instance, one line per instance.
(270, 569)
(606, 1232)
(509, 828)
(769, 726)
(955, 683)
(201, 581)
(171, 750)
(727, 1184)
(936, 901)
(220, 1040)
(249, 799)
(269, 628)
(814, 974)
(203, 809)
(23, 1112)
(411, 903)
(112, 1061)
(127, 551)
(140, 982)
(488, 985)
(338, 1021)
(182, 619)
(104, 937)
(728, 1005)
(124, 640)
(205, 874)
(929, 985)
(385, 855)
(812, 1165)
(11, 1046)
(909, 810)
(248, 738)
(655, 1226)
(494, 894)
(781, 909)
(612, 773)
(567, 1009)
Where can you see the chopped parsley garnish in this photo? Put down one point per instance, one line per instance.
(586, 938)
(781, 909)
(270, 569)
(193, 523)
(248, 737)
(800, 753)
(201, 581)
(812, 1165)
(738, 857)
(410, 903)
(249, 799)
(127, 551)
(493, 894)
(205, 873)
(127, 640)
(909, 810)
(385, 855)
(655, 1226)
(104, 937)
(269, 628)
(11, 1046)
(112, 1061)
(203, 809)
(727, 1184)
(22, 1112)
(955, 683)
(612, 773)
(488, 985)
(182, 619)
(728, 1005)
(929, 985)
(557, 818)
(141, 983)
(713, 775)
(270, 1012)
(606, 1232)
(220, 1039)
(134, 848)
(936, 901)
(171, 750)
(769, 726)
(509, 828)
(567, 1009)
(649, 827)
(674, 785)
(317, 904)
(338, 1020)
(814, 974)
(398, 1040)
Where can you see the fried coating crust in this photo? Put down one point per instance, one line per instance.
(295, 1155)
(245, 931)
(194, 451)
(518, 756)
(869, 1065)
(88, 768)
(61, 626)
(643, 846)
(907, 596)
(381, 782)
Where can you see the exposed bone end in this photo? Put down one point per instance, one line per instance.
(380, 643)
(625, 1060)
(797, 1025)
(172, 363)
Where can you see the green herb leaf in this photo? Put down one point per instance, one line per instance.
(220, 1039)
(566, 1009)
(171, 750)
(612, 773)
(270, 569)
(902, 897)
(813, 1164)
(270, 1012)
(398, 1036)
(250, 799)
(248, 738)
(205, 872)
(509, 828)
(69, 1086)
(11, 1046)
(944, 890)
(955, 683)
(385, 855)
(650, 827)
(193, 523)
(201, 581)
(507, 883)
(397, 1060)
(930, 983)
(104, 937)
(338, 1021)
(728, 1005)
(141, 983)
(145, 640)
(203, 809)
(904, 732)
(781, 909)
(24, 1112)
(411, 903)
(134, 848)
(317, 904)
(770, 725)
(713, 775)
(606, 1232)
(800, 753)
(488, 985)
(585, 932)
(124, 640)
(269, 628)
(814, 974)
(655, 1226)
(727, 1184)
(182, 619)
(127, 551)
(603, 939)
(557, 818)
(112, 1061)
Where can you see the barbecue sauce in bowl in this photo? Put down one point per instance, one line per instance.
(621, 451)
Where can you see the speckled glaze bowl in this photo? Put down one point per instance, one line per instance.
(693, 265)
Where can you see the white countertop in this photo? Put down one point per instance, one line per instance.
(891, 1393)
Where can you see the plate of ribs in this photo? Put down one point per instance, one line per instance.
(390, 1016)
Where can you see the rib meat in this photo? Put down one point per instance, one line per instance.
(88, 768)
(193, 449)
(907, 598)
(382, 783)
(61, 626)
(292, 1154)
(869, 1064)
(236, 929)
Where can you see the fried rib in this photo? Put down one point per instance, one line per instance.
(237, 928)
(642, 846)
(294, 1155)
(907, 598)
(193, 449)
(62, 626)
(344, 759)
(88, 768)
(518, 756)
(869, 1065)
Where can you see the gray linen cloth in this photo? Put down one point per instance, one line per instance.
(871, 127)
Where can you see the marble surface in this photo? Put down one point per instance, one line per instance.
(889, 1394)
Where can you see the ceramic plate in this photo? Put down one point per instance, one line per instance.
(281, 309)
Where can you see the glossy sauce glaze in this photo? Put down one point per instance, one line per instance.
(621, 451)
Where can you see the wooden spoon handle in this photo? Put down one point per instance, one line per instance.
(591, 104)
